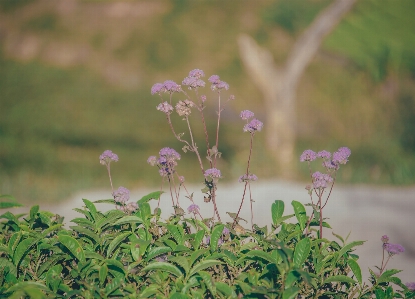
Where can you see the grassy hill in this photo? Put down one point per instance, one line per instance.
(75, 80)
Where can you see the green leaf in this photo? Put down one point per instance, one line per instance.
(24, 284)
(339, 278)
(7, 205)
(300, 213)
(196, 254)
(73, 246)
(207, 279)
(215, 236)
(114, 243)
(350, 246)
(145, 210)
(182, 262)
(91, 207)
(301, 252)
(110, 217)
(277, 210)
(204, 265)
(198, 239)
(52, 277)
(87, 232)
(290, 293)
(111, 263)
(261, 254)
(128, 219)
(164, 266)
(356, 269)
(6, 263)
(22, 249)
(387, 275)
(110, 201)
(178, 296)
(225, 289)
(148, 197)
(103, 272)
(10, 216)
(156, 251)
(33, 211)
(177, 232)
(112, 285)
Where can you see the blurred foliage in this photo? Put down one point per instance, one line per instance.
(55, 122)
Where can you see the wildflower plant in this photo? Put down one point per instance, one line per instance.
(130, 251)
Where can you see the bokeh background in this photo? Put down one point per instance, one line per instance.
(75, 79)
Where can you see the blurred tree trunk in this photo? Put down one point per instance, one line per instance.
(279, 84)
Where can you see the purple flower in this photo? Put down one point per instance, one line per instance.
(330, 165)
(203, 98)
(167, 161)
(410, 286)
(183, 107)
(320, 180)
(214, 79)
(393, 249)
(121, 195)
(196, 73)
(193, 208)
(165, 107)
(169, 153)
(171, 86)
(213, 173)
(152, 160)
(193, 82)
(131, 207)
(246, 114)
(341, 155)
(385, 239)
(225, 231)
(157, 88)
(107, 156)
(246, 178)
(253, 126)
(181, 179)
(324, 154)
(308, 155)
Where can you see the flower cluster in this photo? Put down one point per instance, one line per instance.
(193, 208)
(168, 86)
(410, 286)
(183, 107)
(193, 81)
(213, 173)
(320, 180)
(393, 249)
(165, 107)
(247, 177)
(340, 156)
(121, 196)
(217, 84)
(107, 156)
(252, 126)
(166, 161)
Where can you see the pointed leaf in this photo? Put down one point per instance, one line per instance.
(73, 246)
(110, 201)
(22, 249)
(301, 252)
(128, 219)
(33, 211)
(225, 289)
(339, 278)
(356, 269)
(164, 266)
(264, 255)
(196, 254)
(103, 272)
(114, 243)
(91, 207)
(112, 285)
(182, 262)
(290, 293)
(277, 210)
(204, 265)
(87, 232)
(156, 251)
(300, 213)
(198, 239)
(215, 236)
(177, 232)
(350, 246)
(207, 279)
(6, 205)
(148, 197)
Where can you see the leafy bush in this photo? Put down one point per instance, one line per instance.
(131, 252)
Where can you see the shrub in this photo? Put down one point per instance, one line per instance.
(131, 252)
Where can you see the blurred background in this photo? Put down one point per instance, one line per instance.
(75, 79)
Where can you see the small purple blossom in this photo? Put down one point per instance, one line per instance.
(324, 154)
(246, 178)
(196, 73)
(171, 86)
(246, 114)
(152, 160)
(410, 286)
(320, 180)
(214, 79)
(253, 126)
(167, 161)
(393, 249)
(183, 107)
(329, 164)
(385, 239)
(341, 155)
(193, 83)
(169, 153)
(225, 231)
(217, 83)
(131, 207)
(157, 88)
(193, 208)
(213, 173)
(107, 156)
(165, 107)
(308, 155)
(121, 195)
